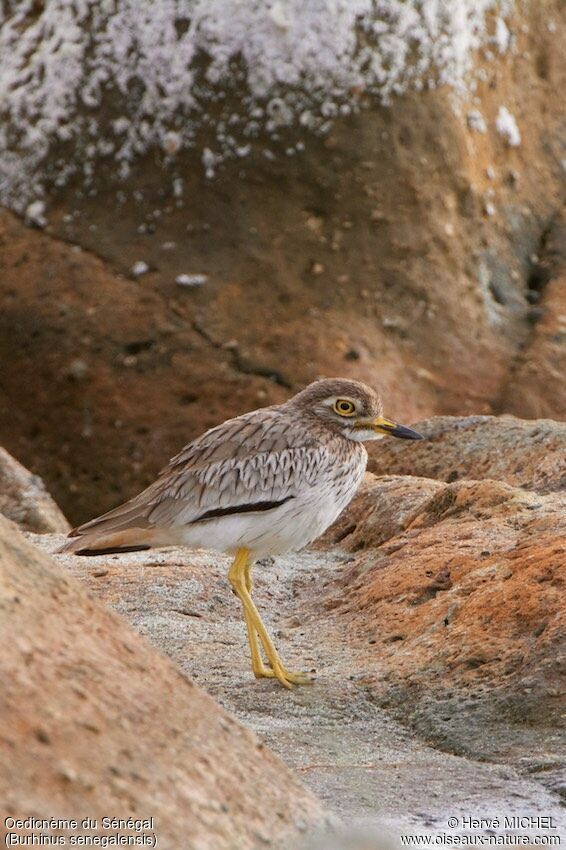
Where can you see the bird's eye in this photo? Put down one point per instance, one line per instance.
(344, 407)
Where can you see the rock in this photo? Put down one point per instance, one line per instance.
(537, 386)
(96, 723)
(35, 214)
(469, 573)
(506, 126)
(522, 453)
(24, 499)
(191, 279)
(139, 268)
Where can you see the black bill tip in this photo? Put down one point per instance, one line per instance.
(401, 431)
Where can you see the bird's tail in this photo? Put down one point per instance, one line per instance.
(123, 529)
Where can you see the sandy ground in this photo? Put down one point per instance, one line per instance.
(363, 764)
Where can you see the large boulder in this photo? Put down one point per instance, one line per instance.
(527, 454)
(96, 723)
(462, 584)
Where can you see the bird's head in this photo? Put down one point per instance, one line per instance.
(351, 408)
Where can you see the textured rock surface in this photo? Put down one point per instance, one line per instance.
(94, 722)
(403, 249)
(24, 499)
(466, 588)
(284, 66)
(536, 386)
(506, 449)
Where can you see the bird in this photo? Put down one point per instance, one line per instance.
(261, 484)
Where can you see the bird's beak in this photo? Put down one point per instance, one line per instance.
(384, 426)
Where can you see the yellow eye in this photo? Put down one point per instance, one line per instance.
(344, 407)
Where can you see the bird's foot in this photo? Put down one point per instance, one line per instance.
(286, 677)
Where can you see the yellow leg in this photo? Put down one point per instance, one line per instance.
(258, 666)
(260, 671)
(241, 580)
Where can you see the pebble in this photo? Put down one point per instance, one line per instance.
(140, 267)
(35, 214)
(191, 279)
(42, 736)
(78, 369)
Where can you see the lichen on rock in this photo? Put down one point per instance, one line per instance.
(114, 79)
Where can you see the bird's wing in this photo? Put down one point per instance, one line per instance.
(249, 463)
(245, 464)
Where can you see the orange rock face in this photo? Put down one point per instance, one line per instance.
(454, 601)
(465, 587)
(105, 381)
(537, 385)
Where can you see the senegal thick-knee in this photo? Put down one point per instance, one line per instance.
(267, 482)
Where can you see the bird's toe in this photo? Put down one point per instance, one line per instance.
(284, 676)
